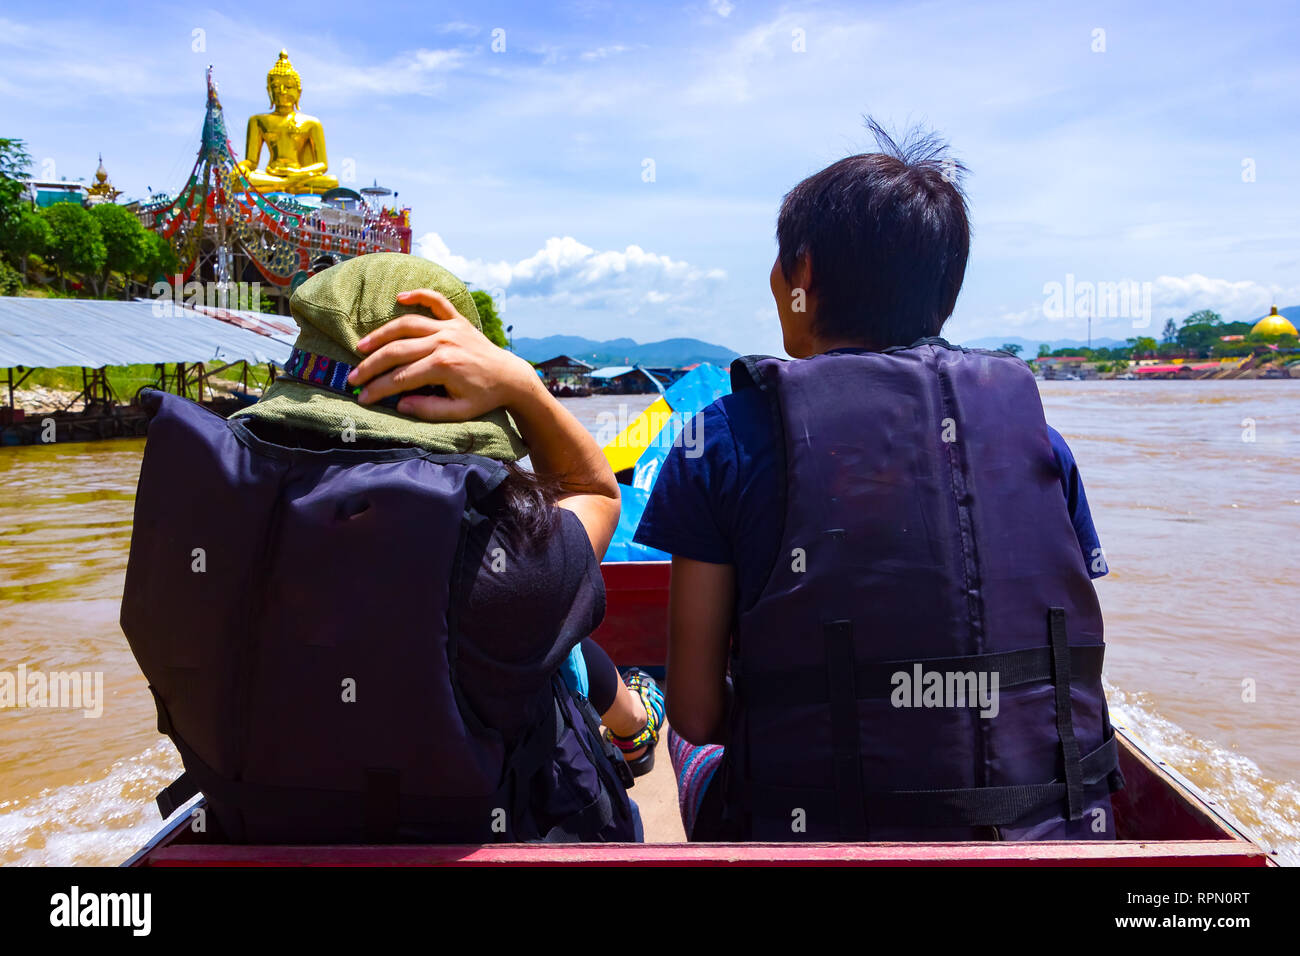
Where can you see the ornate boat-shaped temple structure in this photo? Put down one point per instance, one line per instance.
(234, 223)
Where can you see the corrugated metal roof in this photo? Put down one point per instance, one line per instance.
(568, 360)
(279, 327)
(612, 371)
(47, 333)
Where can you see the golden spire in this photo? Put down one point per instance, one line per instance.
(102, 190)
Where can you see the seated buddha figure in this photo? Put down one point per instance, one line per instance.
(295, 142)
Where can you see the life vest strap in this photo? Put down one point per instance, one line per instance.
(961, 807)
(1065, 712)
(175, 794)
(873, 681)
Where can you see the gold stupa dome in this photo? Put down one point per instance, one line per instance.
(1273, 324)
(101, 174)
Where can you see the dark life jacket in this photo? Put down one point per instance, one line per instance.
(292, 611)
(927, 551)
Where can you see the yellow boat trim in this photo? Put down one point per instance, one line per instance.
(624, 451)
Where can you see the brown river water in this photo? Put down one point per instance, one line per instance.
(1194, 486)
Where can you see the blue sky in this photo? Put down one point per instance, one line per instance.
(1118, 156)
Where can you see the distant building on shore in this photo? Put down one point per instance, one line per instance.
(43, 193)
(1064, 366)
(563, 367)
(625, 380)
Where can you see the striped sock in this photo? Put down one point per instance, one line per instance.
(694, 767)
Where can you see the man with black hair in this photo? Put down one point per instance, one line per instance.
(882, 623)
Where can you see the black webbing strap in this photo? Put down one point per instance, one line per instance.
(874, 681)
(1065, 712)
(965, 807)
(845, 728)
(383, 804)
(175, 794)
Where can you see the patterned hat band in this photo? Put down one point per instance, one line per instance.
(332, 375)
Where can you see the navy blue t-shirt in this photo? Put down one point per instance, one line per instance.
(717, 506)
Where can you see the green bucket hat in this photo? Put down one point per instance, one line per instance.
(334, 310)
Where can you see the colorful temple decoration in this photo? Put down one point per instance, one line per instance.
(225, 229)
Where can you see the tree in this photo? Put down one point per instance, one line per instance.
(11, 283)
(1012, 348)
(14, 161)
(487, 314)
(76, 245)
(1044, 350)
(1171, 331)
(158, 260)
(1142, 345)
(30, 236)
(125, 243)
(1200, 331)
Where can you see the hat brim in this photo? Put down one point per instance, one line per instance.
(300, 405)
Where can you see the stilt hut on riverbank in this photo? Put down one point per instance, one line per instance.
(186, 347)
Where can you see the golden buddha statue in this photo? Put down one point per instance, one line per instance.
(295, 142)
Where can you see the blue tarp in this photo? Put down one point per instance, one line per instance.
(687, 397)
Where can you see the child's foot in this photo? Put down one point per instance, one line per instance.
(639, 750)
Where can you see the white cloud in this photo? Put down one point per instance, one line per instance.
(460, 27)
(1171, 297)
(763, 64)
(564, 272)
(1236, 301)
(601, 53)
(417, 71)
(722, 8)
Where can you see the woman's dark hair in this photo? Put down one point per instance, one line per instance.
(888, 237)
(527, 504)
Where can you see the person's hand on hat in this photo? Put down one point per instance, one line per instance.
(414, 351)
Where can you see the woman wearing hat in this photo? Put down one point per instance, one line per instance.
(448, 352)
(378, 600)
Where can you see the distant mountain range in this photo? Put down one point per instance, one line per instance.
(675, 353)
(672, 353)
